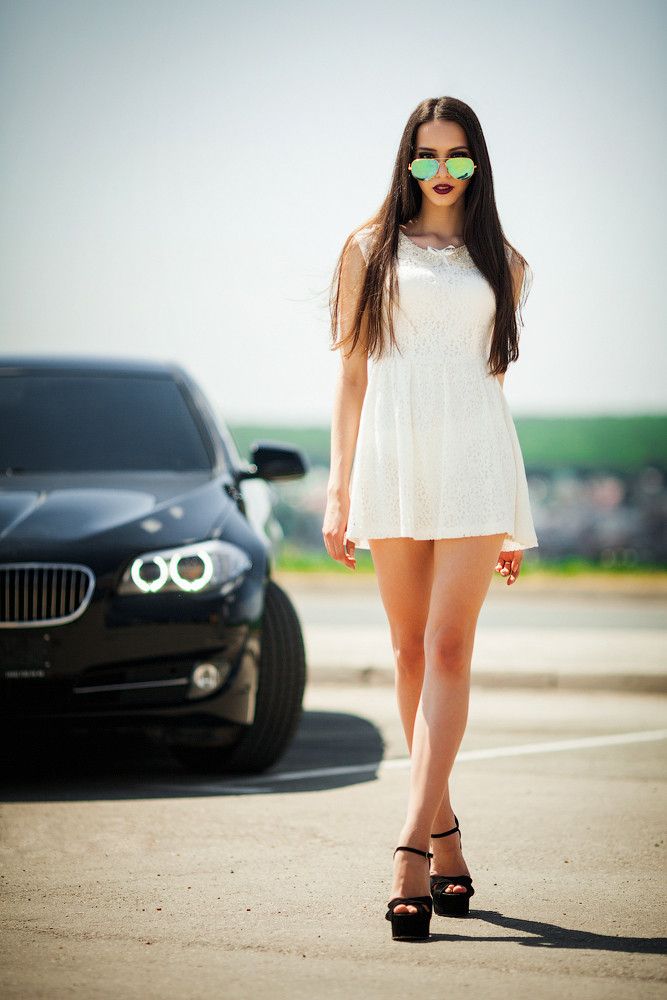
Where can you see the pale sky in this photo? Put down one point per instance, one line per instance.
(177, 180)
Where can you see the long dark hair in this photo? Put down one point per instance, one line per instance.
(482, 234)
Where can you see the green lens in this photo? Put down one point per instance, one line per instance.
(460, 167)
(423, 168)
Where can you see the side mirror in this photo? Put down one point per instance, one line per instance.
(272, 460)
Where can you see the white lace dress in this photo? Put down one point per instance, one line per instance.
(437, 453)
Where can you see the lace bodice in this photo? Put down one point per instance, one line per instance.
(442, 286)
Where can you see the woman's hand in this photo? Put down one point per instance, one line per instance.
(333, 532)
(509, 565)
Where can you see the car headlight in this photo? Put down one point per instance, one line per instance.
(211, 565)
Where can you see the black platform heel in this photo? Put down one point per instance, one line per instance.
(451, 904)
(411, 926)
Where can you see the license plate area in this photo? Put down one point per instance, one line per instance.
(24, 656)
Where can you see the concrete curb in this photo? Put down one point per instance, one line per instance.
(578, 634)
(536, 679)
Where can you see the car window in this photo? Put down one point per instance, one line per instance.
(59, 422)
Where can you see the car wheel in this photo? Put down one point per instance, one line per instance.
(279, 704)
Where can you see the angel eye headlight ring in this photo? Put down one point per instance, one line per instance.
(211, 565)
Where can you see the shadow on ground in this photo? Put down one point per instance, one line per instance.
(96, 766)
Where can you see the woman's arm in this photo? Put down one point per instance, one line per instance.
(509, 560)
(516, 270)
(350, 390)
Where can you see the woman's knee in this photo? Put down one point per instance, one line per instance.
(447, 648)
(409, 653)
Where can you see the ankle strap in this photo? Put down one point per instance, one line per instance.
(447, 832)
(424, 854)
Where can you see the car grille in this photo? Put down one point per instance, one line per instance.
(43, 593)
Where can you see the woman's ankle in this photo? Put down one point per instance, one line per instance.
(416, 837)
(444, 820)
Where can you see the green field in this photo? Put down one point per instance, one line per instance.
(622, 444)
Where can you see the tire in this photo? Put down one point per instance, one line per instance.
(279, 704)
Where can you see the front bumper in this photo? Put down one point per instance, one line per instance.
(112, 668)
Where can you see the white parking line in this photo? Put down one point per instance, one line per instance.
(254, 785)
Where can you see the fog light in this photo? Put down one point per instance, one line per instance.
(206, 678)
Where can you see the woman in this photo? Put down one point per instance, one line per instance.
(427, 297)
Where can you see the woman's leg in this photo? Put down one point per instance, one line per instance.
(398, 561)
(404, 570)
(462, 573)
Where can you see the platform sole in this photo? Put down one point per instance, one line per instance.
(404, 927)
(453, 907)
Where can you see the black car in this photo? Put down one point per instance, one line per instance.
(135, 564)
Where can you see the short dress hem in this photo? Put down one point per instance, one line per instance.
(507, 545)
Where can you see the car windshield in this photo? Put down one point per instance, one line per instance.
(60, 422)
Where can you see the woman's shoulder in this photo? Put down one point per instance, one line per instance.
(363, 237)
(515, 259)
(522, 275)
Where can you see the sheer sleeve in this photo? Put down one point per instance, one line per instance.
(526, 281)
(363, 238)
(526, 285)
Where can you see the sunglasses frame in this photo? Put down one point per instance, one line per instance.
(442, 159)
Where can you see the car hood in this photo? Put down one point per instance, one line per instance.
(70, 516)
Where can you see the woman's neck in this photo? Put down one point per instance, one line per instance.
(443, 224)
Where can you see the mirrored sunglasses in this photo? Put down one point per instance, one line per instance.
(426, 167)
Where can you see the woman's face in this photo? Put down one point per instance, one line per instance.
(441, 139)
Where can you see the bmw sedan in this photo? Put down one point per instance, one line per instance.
(136, 553)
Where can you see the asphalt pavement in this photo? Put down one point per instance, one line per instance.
(125, 876)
